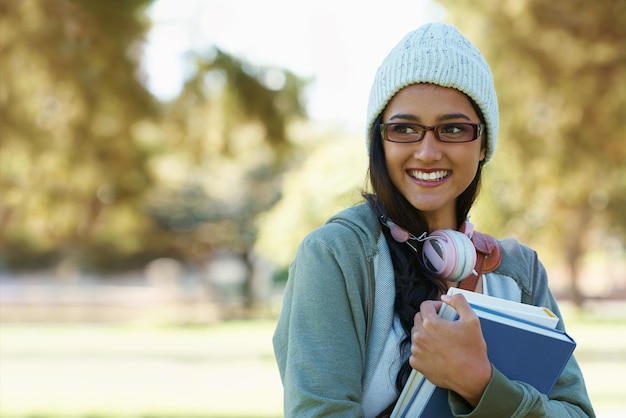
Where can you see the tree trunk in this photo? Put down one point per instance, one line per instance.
(574, 250)
(573, 255)
(249, 296)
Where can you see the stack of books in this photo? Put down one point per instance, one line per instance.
(522, 343)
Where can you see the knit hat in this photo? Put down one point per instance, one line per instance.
(439, 54)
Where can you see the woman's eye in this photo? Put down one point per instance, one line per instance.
(452, 129)
(404, 129)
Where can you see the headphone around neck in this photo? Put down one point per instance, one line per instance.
(448, 254)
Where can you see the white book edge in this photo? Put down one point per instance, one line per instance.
(416, 379)
(536, 314)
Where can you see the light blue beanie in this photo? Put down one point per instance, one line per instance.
(439, 54)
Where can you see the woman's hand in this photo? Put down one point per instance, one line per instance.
(451, 354)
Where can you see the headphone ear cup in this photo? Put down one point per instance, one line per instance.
(449, 254)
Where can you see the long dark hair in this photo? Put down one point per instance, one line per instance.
(414, 283)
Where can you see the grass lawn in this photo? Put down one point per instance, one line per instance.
(224, 370)
(75, 371)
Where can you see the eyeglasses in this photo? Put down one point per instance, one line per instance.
(445, 132)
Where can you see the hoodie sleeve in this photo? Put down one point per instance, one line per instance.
(320, 337)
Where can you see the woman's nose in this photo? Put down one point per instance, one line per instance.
(429, 148)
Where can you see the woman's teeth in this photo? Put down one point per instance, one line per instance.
(432, 176)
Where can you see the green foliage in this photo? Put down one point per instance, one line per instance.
(70, 180)
(228, 130)
(330, 179)
(95, 171)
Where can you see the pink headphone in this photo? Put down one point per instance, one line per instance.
(447, 253)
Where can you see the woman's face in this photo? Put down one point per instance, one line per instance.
(431, 174)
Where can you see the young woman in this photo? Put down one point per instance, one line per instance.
(360, 308)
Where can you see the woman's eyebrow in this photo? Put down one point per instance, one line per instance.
(405, 116)
(454, 116)
(445, 117)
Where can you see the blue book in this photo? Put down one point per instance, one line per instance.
(518, 345)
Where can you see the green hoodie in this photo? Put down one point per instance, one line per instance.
(338, 309)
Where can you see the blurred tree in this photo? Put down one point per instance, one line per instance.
(72, 173)
(230, 130)
(96, 173)
(559, 178)
(331, 179)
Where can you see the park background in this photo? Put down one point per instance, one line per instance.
(161, 160)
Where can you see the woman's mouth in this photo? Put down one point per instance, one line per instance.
(429, 176)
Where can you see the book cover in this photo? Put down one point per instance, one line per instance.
(522, 350)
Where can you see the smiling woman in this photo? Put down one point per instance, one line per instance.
(363, 293)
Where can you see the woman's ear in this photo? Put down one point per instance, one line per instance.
(483, 154)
